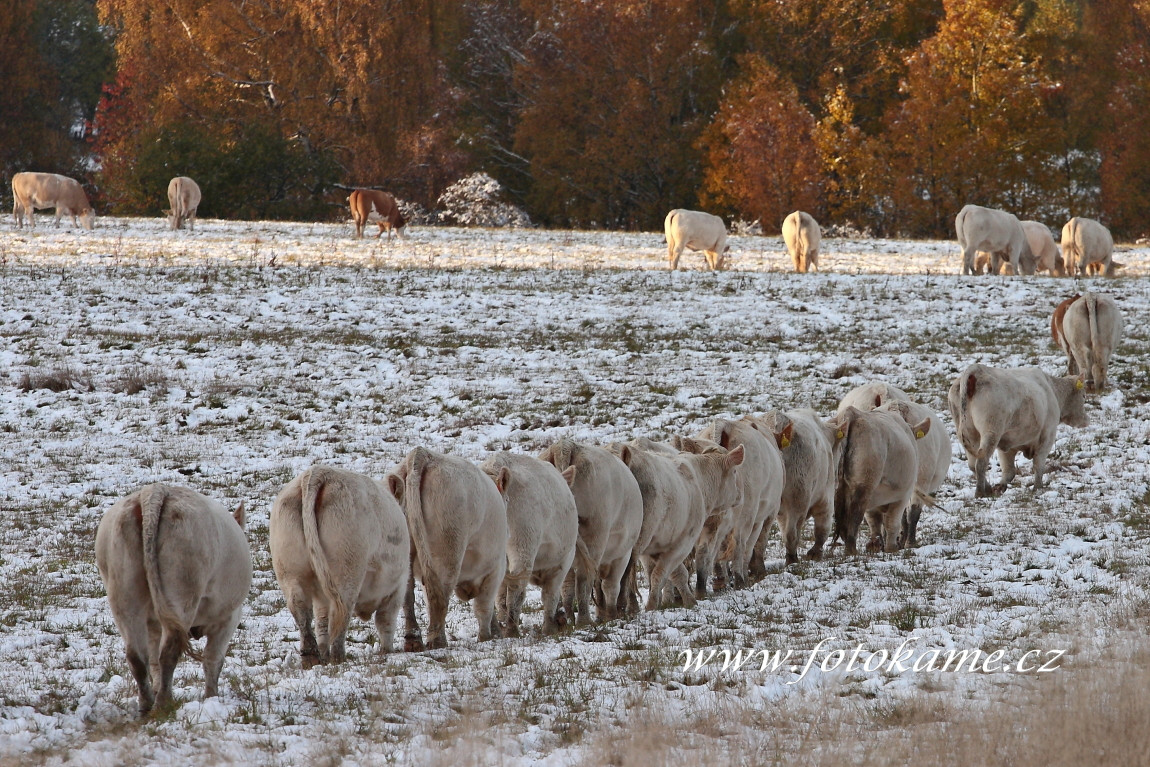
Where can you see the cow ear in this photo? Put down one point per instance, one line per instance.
(783, 438)
(395, 485)
(677, 442)
(569, 475)
(686, 445)
(734, 457)
(878, 400)
(625, 454)
(725, 438)
(922, 429)
(502, 479)
(238, 515)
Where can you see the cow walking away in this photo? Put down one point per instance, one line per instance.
(802, 237)
(176, 567)
(36, 191)
(372, 205)
(1088, 328)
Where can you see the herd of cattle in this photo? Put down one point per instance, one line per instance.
(578, 520)
(991, 240)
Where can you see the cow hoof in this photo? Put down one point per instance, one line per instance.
(815, 553)
(792, 559)
(437, 643)
(875, 544)
(309, 660)
(413, 643)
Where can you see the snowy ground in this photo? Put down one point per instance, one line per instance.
(233, 358)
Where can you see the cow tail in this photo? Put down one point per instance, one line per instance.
(1095, 347)
(151, 510)
(314, 482)
(1070, 255)
(413, 503)
(841, 499)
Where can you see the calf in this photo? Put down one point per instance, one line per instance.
(176, 566)
(809, 479)
(934, 448)
(802, 237)
(184, 199)
(697, 231)
(542, 525)
(609, 505)
(1011, 411)
(1086, 243)
(380, 207)
(877, 475)
(339, 544)
(1088, 328)
(34, 191)
(458, 525)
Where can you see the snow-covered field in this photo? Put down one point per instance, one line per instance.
(230, 359)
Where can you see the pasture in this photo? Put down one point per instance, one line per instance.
(231, 359)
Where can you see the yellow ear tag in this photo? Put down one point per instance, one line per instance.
(1079, 385)
(786, 442)
(840, 434)
(919, 434)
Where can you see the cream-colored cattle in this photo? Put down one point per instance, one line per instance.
(1087, 246)
(458, 525)
(542, 526)
(184, 199)
(992, 231)
(1088, 329)
(35, 191)
(802, 236)
(698, 231)
(339, 545)
(176, 566)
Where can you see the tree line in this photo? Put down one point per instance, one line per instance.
(883, 115)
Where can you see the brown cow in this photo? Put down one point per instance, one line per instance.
(33, 191)
(379, 207)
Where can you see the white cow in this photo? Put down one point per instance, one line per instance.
(877, 475)
(610, 509)
(458, 525)
(339, 545)
(1088, 328)
(697, 231)
(176, 566)
(1047, 255)
(934, 448)
(1011, 411)
(35, 191)
(184, 199)
(802, 236)
(992, 231)
(1086, 243)
(542, 525)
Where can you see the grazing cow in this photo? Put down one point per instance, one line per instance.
(1047, 255)
(184, 199)
(542, 525)
(458, 525)
(762, 476)
(878, 471)
(1086, 243)
(379, 207)
(934, 448)
(697, 231)
(176, 565)
(1088, 328)
(809, 480)
(992, 231)
(610, 509)
(802, 236)
(35, 191)
(339, 545)
(1012, 411)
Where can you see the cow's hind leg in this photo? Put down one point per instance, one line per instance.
(412, 634)
(1009, 472)
(386, 618)
(823, 515)
(214, 651)
(300, 608)
(551, 586)
(136, 647)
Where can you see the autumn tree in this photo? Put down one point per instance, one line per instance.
(760, 155)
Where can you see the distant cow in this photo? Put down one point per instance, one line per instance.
(992, 231)
(877, 476)
(697, 231)
(184, 199)
(542, 526)
(610, 508)
(1085, 242)
(339, 545)
(176, 566)
(802, 236)
(934, 448)
(1088, 328)
(1011, 411)
(1047, 255)
(35, 191)
(458, 524)
(379, 207)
